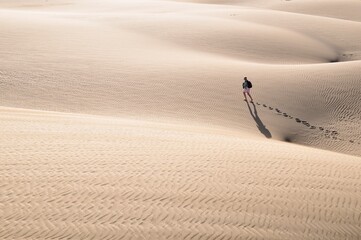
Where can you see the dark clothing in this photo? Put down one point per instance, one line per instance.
(245, 84)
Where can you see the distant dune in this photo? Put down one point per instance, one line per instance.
(126, 120)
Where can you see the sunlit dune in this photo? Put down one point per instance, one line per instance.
(126, 119)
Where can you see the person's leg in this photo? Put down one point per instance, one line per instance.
(250, 96)
(245, 97)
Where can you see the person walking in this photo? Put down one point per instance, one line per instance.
(247, 85)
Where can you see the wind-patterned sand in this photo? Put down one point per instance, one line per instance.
(125, 120)
(70, 176)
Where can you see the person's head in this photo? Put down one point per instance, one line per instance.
(245, 78)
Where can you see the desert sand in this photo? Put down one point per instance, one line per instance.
(125, 119)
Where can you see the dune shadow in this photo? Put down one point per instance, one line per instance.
(261, 127)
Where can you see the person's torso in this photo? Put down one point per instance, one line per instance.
(245, 84)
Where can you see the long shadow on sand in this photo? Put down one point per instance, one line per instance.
(261, 127)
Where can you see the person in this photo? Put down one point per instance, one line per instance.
(247, 89)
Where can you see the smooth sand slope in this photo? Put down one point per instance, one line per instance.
(125, 120)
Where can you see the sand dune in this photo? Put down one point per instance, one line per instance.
(77, 176)
(126, 120)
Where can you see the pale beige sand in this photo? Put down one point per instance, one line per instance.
(125, 119)
(67, 176)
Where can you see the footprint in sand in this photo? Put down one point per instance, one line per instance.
(306, 123)
(321, 128)
(285, 115)
(313, 127)
(298, 120)
(264, 105)
(334, 133)
(270, 108)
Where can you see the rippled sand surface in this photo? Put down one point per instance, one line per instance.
(126, 119)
